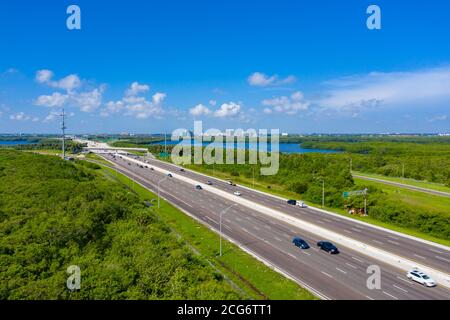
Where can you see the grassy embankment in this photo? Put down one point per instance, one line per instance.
(258, 280)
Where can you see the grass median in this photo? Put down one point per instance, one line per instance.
(257, 280)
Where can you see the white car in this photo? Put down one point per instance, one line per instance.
(301, 204)
(237, 193)
(421, 277)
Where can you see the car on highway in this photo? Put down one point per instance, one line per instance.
(301, 204)
(328, 247)
(299, 242)
(182, 170)
(230, 182)
(152, 169)
(421, 277)
(198, 187)
(209, 183)
(237, 193)
(292, 202)
(169, 175)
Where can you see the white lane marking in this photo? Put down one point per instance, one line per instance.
(267, 227)
(320, 221)
(307, 253)
(327, 274)
(358, 259)
(393, 242)
(248, 218)
(395, 286)
(278, 239)
(351, 266)
(344, 272)
(292, 256)
(376, 241)
(436, 251)
(347, 231)
(392, 237)
(238, 219)
(256, 228)
(440, 258)
(210, 219)
(403, 279)
(327, 220)
(245, 230)
(416, 255)
(355, 229)
(370, 298)
(390, 295)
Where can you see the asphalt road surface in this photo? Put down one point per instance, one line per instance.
(341, 276)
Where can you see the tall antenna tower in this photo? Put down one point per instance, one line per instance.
(63, 128)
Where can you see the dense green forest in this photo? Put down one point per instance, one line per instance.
(52, 144)
(54, 214)
(419, 158)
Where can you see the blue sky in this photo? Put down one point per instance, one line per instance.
(152, 66)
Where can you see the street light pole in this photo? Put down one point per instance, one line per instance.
(159, 182)
(220, 224)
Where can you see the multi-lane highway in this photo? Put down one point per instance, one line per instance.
(341, 276)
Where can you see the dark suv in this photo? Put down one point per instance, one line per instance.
(328, 247)
(299, 242)
(292, 202)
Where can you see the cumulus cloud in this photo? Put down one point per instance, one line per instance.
(67, 83)
(259, 79)
(87, 100)
(286, 104)
(442, 117)
(199, 110)
(226, 110)
(376, 89)
(135, 104)
(20, 116)
(136, 89)
(54, 100)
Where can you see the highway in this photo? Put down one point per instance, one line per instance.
(437, 257)
(405, 186)
(341, 276)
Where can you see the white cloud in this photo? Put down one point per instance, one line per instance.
(355, 93)
(21, 116)
(259, 79)
(86, 101)
(284, 104)
(55, 100)
(228, 110)
(133, 104)
(199, 110)
(136, 89)
(52, 116)
(213, 103)
(68, 83)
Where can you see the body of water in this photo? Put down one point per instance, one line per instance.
(283, 147)
(14, 143)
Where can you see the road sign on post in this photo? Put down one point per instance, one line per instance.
(348, 194)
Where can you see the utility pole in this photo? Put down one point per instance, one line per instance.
(63, 128)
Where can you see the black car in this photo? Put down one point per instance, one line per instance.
(182, 170)
(169, 175)
(328, 247)
(198, 187)
(209, 183)
(299, 242)
(292, 202)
